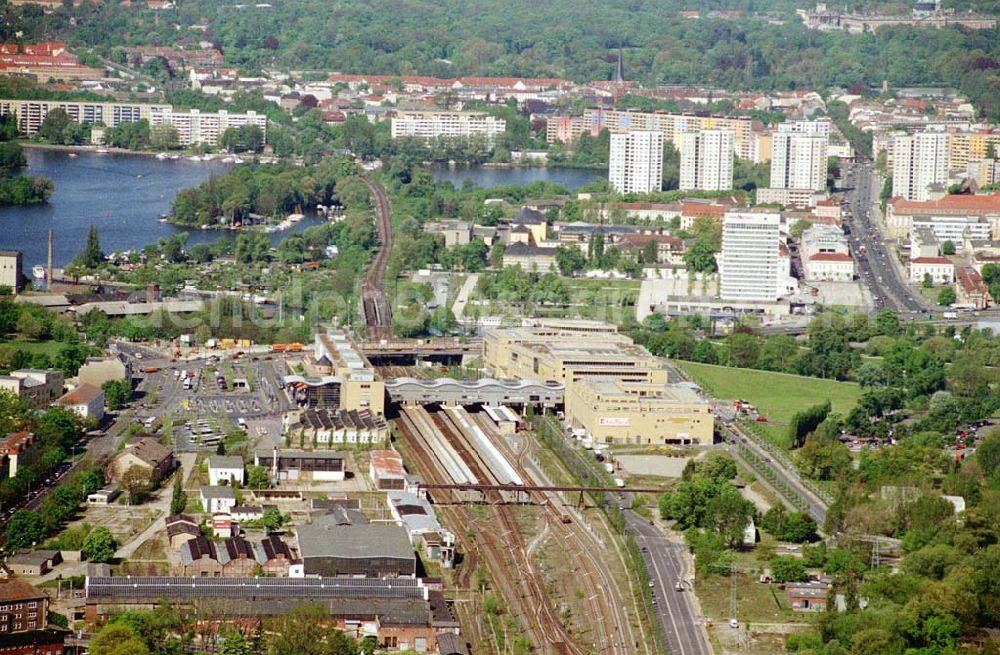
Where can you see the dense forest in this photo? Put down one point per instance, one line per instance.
(572, 39)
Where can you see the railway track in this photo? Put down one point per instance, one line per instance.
(501, 548)
(609, 618)
(375, 308)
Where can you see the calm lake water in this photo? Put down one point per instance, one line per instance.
(571, 178)
(123, 195)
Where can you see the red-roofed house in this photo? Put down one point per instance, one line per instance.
(16, 450)
(972, 290)
(86, 400)
(691, 210)
(940, 269)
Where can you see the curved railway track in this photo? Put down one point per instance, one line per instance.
(375, 307)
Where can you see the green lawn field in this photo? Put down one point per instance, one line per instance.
(776, 395)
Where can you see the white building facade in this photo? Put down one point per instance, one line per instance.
(941, 270)
(706, 160)
(447, 124)
(919, 162)
(635, 164)
(749, 266)
(197, 128)
(798, 155)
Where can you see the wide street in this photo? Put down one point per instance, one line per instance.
(667, 566)
(875, 268)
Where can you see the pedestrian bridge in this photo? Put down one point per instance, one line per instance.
(469, 392)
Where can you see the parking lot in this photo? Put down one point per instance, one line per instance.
(199, 401)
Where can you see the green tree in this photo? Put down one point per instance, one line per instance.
(178, 497)
(29, 327)
(91, 256)
(100, 545)
(257, 477)
(788, 569)
(116, 393)
(117, 639)
(25, 529)
(946, 296)
(948, 248)
(135, 483)
(570, 260)
(272, 519)
(54, 125)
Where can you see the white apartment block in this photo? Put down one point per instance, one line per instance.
(919, 162)
(447, 124)
(706, 160)
(798, 155)
(620, 121)
(636, 162)
(940, 269)
(749, 267)
(31, 113)
(194, 127)
(197, 128)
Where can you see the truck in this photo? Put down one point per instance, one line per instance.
(951, 315)
(151, 369)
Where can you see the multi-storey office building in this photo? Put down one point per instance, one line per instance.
(749, 269)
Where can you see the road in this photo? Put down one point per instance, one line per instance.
(667, 565)
(738, 438)
(883, 278)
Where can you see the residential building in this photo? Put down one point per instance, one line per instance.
(10, 269)
(23, 607)
(38, 387)
(447, 124)
(671, 126)
(706, 160)
(530, 258)
(799, 156)
(939, 270)
(920, 165)
(86, 400)
(669, 250)
(635, 164)
(197, 128)
(291, 464)
(95, 371)
(216, 499)
(147, 454)
(749, 267)
(625, 413)
(373, 551)
(226, 469)
(31, 113)
(17, 450)
(972, 290)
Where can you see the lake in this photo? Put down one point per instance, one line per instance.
(489, 177)
(123, 195)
